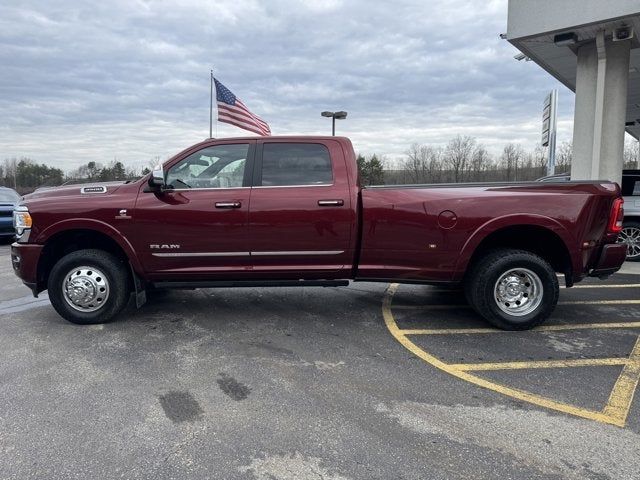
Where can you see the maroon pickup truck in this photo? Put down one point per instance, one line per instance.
(290, 211)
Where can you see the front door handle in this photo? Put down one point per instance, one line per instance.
(330, 203)
(228, 204)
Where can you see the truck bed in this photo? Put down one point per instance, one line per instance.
(431, 231)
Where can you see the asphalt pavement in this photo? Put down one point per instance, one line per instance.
(369, 381)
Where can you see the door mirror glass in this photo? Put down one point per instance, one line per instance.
(157, 177)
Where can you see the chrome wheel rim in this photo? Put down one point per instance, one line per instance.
(85, 289)
(518, 292)
(630, 236)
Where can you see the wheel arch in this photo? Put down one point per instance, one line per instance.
(540, 235)
(69, 238)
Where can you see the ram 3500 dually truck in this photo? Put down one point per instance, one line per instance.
(291, 211)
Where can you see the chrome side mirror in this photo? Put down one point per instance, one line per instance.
(156, 180)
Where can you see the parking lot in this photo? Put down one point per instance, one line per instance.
(371, 381)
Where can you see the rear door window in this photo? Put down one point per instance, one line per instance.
(289, 164)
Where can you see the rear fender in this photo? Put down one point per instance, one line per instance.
(524, 220)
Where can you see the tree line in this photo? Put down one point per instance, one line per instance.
(462, 159)
(25, 175)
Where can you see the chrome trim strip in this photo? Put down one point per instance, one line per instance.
(298, 252)
(295, 186)
(246, 254)
(203, 254)
(195, 189)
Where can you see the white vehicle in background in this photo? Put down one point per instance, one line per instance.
(630, 233)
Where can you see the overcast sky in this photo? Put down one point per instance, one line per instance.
(86, 81)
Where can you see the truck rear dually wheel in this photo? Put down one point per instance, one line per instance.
(88, 286)
(513, 289)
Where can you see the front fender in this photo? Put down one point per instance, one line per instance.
(95, 225)
(515, 220)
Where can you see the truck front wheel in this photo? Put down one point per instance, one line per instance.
(513, 289)
(88, 286)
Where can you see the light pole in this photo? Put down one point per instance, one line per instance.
(333, 115)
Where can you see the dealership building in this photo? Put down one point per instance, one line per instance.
(592, 47)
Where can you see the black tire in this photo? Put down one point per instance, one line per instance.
(630, 235)
(528, 275)
(116, 278)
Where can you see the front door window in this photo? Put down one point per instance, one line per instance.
(221, 166)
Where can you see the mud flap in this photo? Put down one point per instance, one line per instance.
(140, 291)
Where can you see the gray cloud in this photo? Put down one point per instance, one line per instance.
(129, 79)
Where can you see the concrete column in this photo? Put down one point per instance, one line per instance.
(585, 111)
(608, 118)
(615, 110)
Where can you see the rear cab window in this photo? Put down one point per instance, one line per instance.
(295, 164)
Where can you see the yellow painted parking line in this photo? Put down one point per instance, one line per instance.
(615, 413)
(625, 285)
(463, 305)
(622, 394)
(541, 328)
(601, 302)
(431, 307)
(578, 362)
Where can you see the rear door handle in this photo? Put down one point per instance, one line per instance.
(228, 204)
(331, 203)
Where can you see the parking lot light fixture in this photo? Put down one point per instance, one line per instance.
(341, 115)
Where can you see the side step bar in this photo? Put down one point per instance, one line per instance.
(252, 283)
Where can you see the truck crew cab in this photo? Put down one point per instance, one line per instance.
(291, 211)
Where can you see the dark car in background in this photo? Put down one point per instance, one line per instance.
(630, 187)
(8, 200)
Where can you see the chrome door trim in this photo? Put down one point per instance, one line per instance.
(203, 254)
(197, 189)
(296, 186)
(298, 252)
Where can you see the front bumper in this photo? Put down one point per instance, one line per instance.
(24, 259)
(611, 259)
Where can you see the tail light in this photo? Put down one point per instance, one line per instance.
(616, 216)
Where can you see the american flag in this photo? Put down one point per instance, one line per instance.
(232, 110)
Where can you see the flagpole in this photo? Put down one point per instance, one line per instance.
(211, 104)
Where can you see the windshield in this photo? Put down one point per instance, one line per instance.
(8, 196)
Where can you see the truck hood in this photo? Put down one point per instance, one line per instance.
(80, 190)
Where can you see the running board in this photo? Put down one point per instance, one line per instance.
(252, 283)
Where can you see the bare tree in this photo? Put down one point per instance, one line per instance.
(434, 165)
(423, 163)
(539, 161)
(458, 155)
(512, 154)
(11, 171)
(631, 154)
(564, 157)
(480, 164)
(416, 163)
